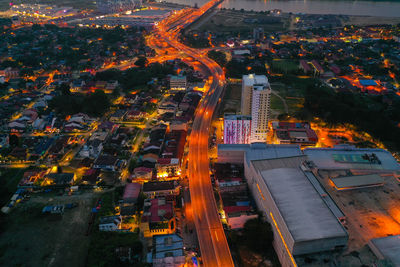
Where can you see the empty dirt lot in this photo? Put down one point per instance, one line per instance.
(33, 239)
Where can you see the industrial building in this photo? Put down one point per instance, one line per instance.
(371, 208)
(303, 222)
(237, 129)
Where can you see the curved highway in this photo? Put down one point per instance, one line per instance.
(213, 244)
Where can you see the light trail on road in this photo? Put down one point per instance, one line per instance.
(213, 244)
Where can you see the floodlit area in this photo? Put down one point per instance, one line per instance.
(370, 212)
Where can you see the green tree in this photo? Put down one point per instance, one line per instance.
(141, 62)
(218, 56)
(258, 235)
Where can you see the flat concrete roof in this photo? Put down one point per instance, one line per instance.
(251, 79)
(304, 212)
(297, 134)
(324, 158)
(388, 247)
(352, 182)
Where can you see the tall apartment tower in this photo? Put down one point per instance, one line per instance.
(237, 129)
(256, 97)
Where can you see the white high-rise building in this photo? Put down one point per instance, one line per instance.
(237, 129)
(256, 97)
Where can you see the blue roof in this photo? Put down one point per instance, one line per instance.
(243, 203)
(167, 245)
(368, 83)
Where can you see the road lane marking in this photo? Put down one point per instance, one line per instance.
(216, 236)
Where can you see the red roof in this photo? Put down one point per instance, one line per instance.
(312, 135)
(164, 161)
(134, 113)
(142, 169)
(159, 211)
(91, 172)
(132, 190)
(234, 209)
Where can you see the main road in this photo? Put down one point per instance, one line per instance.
(213, 244)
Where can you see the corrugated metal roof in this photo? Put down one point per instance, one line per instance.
(305, 213)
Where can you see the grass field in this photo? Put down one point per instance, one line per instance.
(231, 100)
(230, 20)
(9, 179)
(293, 96)
(285, 65)
(276, 104)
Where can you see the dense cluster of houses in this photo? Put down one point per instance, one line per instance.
(234, 195)
(356, 59)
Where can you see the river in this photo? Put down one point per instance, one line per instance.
(338, 7)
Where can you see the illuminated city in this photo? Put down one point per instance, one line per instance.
(200, 133)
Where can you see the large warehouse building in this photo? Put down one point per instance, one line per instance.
(301, 220)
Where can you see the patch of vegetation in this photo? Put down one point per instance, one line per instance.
(94, 104)
(9, 179)
(367, 113)
(256, 238)
(218, 57)
(103, 244)
(137, 77)
(276, 103)
(284, 66)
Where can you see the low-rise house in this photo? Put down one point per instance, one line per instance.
(117, 115)
(30, 178)
(237, 208)
(134, 115)
(150, 157)
(91, 176)
(92, 149)
(110, 223)
(168, 251)
(73, 127)
(158, 217)
(61, 179)
(161, 189)
(127, 210)
(131, 192)
(16, 126)
(168, 167)
(294, 133)
(143, 173)
(106, 162)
